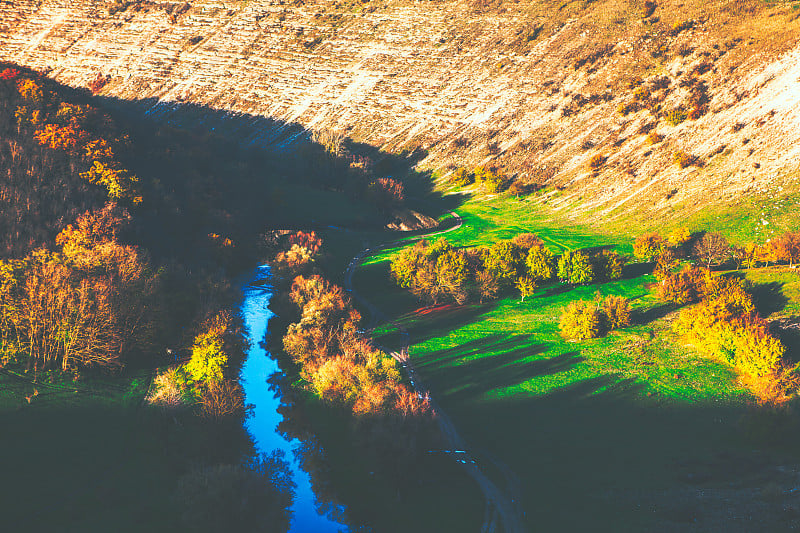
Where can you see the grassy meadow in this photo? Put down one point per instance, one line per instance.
(612, 434)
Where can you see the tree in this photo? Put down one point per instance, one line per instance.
(788, 247)
(526, 287)
(617, 312)
(575, 268)
(648, 246)
(487, 285)
(685, 286)
(504, 261)
(580, 320)
(608, 265)
(540, 263)
(679, 236)
(209, 359)
(712, 248)
(451, 274)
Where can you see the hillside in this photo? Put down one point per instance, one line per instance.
(536, 88)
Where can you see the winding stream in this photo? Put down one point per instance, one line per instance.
(263, 422)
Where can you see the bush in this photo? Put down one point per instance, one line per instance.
(491, 181)
(580, 320)
(654, 138)
(596, 162)
(526, 241)
(676, 116)
(575, 268)
(617, 312)
(683, 160)
(209, 360)
(462, 177)
(608, 265)
(683, 287)
(541, 263)
(648, 246)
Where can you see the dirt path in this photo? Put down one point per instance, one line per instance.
(500, 503)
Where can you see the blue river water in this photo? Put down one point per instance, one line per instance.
(263, 422)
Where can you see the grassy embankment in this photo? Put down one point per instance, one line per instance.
(603, 425)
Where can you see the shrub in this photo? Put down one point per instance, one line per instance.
(170, 390)
(541, 263)
(648, 246)
(490, 180)
(675, 116)
(683, 160)
(580, 320)
(683, 287)
(526, 241)
(596, 162)
(679, 236)
(654, 138)
(462, 177)
(575, 268)
(209, 360)
(617, 312)
(608, 265)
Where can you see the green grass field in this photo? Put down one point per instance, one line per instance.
(609, 434)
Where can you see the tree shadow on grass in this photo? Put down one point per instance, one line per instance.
(769, 298)
(634, 270)
(429, 322)
(641, 317)
(494, 362)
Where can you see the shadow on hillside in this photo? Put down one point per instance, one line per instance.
(208, 171)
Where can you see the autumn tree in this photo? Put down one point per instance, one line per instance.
(712, 248)
(526, 287)
(575, 268)
(648, 246)
(788, 247)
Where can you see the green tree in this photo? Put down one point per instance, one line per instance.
(575, 268)
(541, 263)
(526, 287)
(580, 320)
(504, 261)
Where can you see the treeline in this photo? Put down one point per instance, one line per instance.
(713, 249)
(724, 323)
(438, 272)
(345, 369)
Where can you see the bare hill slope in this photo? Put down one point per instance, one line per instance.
(537, 88)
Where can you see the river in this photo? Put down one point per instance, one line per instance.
(263, 422)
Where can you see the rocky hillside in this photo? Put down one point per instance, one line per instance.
(674, 103)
